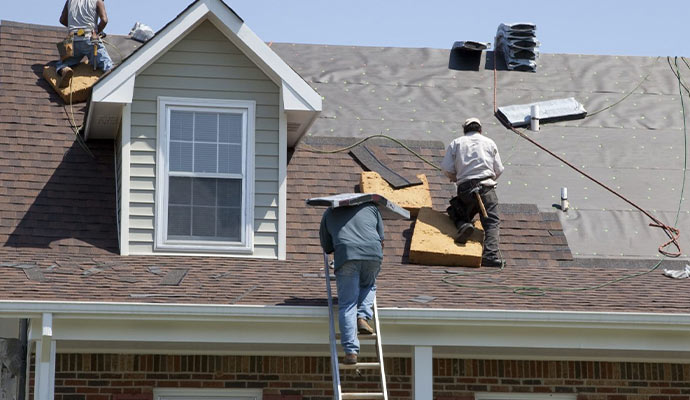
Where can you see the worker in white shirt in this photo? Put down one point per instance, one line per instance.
(473, 163)
(85, 20)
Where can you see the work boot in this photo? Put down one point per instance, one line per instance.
(350, 359)
(363, 327)
(464, 232)
(65, 76)
(491, 262)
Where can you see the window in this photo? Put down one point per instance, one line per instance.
(523, 396)
(207, 394)
(205, 175)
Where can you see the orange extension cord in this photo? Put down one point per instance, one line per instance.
(672, 232)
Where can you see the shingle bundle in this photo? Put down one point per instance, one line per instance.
(519, 45)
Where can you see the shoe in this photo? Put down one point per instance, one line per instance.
(363, 327)
(350, 359)
(65, 76)
(464, 232)
(492, 262)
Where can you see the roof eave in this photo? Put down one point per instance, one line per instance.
(488, 333)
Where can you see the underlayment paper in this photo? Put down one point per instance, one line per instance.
(636, 147)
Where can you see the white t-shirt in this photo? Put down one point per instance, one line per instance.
(82, 14)
(473, 156)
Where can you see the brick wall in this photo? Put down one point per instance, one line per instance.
(111, 377)
(133, 377)
(459, 379)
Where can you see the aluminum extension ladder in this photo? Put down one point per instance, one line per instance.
(336, 367)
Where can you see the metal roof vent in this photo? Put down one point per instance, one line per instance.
(519, 45)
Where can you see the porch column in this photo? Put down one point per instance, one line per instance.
(44, 385)
(422, 373)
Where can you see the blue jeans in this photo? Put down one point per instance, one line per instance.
(356, 281)
(85, 48)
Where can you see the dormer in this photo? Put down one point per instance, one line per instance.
(200, 117)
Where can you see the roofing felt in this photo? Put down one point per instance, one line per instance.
(636, 146)
(59, 239)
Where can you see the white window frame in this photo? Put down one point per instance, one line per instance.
(524, 396)
(248, 109)
(209, 394)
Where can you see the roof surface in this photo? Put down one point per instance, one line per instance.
(636, 146)
(59, 236)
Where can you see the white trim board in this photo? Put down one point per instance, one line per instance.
(248, 110)
(214, 394)
(484, 334)
(117, 86)
(523, 396)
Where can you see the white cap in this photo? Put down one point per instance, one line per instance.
(471, 120)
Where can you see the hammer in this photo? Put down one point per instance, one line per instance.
(475, 190)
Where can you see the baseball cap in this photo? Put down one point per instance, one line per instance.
(471, 120)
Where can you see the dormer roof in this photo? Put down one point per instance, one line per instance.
(299, 100)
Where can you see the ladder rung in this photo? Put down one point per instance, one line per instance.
(356, 396)
(362, 365)
(360, 336)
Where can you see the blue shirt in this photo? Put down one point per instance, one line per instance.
(353, 233)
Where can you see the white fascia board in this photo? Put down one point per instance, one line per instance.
(115, 85)
(265, 58)
(500, 333)
(122, 94)
(395, 316)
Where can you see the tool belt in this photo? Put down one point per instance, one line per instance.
(66, 47)
(472, 185)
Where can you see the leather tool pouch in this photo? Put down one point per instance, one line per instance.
(66, 48)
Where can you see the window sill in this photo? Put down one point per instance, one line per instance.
(200, 248)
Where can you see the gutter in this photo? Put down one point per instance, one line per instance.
(396, 316)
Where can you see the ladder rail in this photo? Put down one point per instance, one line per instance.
(337, 392)
(379, 350)
(335, 366)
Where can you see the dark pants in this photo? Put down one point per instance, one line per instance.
(464, 207)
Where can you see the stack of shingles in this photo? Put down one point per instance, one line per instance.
(519, 45)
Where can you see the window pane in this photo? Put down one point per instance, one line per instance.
(181, 156)
(230, 128)
(204, 221)
(181, 125)
(205, 209)
(204, 190)
(230, 158)
(229, 223)
(206, 127)
(179, 220)
(230, 193)
(205, 157)
(180, 191)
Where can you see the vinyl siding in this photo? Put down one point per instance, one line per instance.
(204, 64)
(118, 182)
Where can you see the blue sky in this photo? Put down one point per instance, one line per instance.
(617, 27)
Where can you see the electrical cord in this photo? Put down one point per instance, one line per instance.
(342, 149)
(626, 96)
(543, 290)
(73, 124)
(672, 232)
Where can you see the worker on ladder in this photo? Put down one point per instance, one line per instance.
(473, 163)
(355, 235)
(85, 21)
